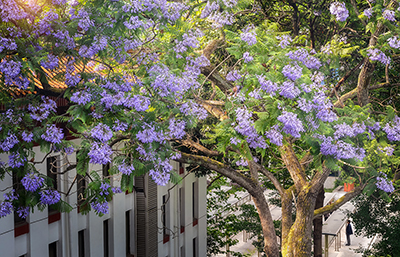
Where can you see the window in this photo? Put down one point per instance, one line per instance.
(195, 247)
(195, 202)
(182, 208)
(165, 218)
(53, 249)
(106, 243)
(81, 185)
(106, 171)
(182, 252)
(181, 168)
(52, 173)
(128, 232)
(81, 243)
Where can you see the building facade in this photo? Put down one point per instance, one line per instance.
(152, 221)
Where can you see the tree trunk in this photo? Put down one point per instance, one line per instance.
(271, 248)
(298, 243)
(318, 225)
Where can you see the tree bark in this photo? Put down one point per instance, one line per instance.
(318, 225)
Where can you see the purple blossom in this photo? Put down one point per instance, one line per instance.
(177, 128)
(9, 142)
(100, 153)
(234, 140)
(384, 184)
(120, 126)
(392, 129)
(394, 42)
(189, 41)
(125, 168)
(285, 41)
(274, 135)
(194, 109)
(50, 196)
(389, 15)
(255, 94)
(249, 37)
(221, 19)
(208, 9)
(317, 77)
(312, 62)
(5, 209)
(242, 162)
(104, 189)
(267, 85)
(116, 190)
(53, 134)
(23, 212)
(69, 150)
(32, 182)
(51, 63)
(133, 23)
(304, 105)
(378, 55)
(15, 160)
(247, 57)
(6, 43)
(27, 136)
(339, 10)
(140, 103)
(233, 75)
(291, 124)
(10, 196)
(161, 172)
(388, 150)
(149, 134)
(42, 111)
(343, 130)
(81, 97)
(292, 72)
(101, 132)
(246, 128)
(368, 12)
(289, 90)
(100, 208)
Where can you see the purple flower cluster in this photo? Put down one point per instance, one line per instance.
(267, 85)
(384, 184)
(27, 136)
(340, 149)
(42, 111)
(291, 124)
(339, 10)
(285, 41)
(392, 129)
(53, 134)
(161, 172)
(387, 150)
(100, 208)
(292, 72)
(50, 196)
(304, 57)
(140, 103)
(274, 135)
(377, 55)
(125, 168)
(289, 90)
(345, 130)
(208, 9)
(10, 10)
(81, 97)
(389, 15)
(101, 132)
(11, 72)
(6, 43)
(247, 57)
(177, 128)
(120, 126)
(233, 75)
(234, 141)
(368, 12)
(149, 135)
(246, 128)
(9, 142)
(394, 42)
(15, 160)
(189, 41)
(324, 107)
(5, 209)
(249, 36)
(104, 189)
(100, 153)
(242, 162)
(23, 212)
(32, 182)
(221, 19)
(193, 109)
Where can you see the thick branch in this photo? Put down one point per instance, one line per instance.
(213, 109)
(245, 182)
(190, 143)
(270, 176)
(344, 78)
(339, 202)
(293, 165)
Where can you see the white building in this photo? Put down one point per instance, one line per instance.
(133, 227)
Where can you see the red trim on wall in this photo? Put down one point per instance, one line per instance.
(182, 229)
(21, 229)
(166, 239)
(195, 222)
(54, 217)
(181, 170)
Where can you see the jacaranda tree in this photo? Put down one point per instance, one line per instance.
(220, 84)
